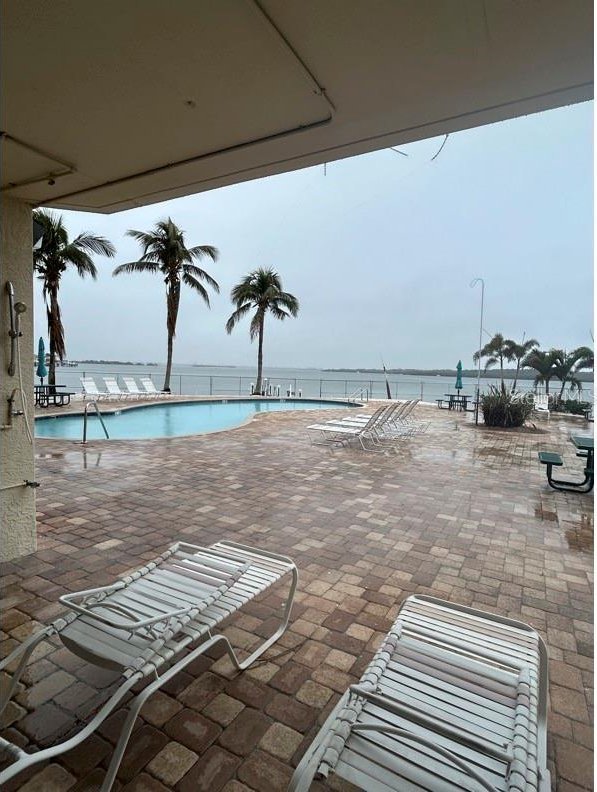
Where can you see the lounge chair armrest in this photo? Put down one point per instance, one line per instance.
(134, 623)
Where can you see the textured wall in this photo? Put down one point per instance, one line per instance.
(17, 506)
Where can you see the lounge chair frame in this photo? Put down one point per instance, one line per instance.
(162, 637)
(456, 699)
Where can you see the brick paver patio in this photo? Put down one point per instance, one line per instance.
(458, 512)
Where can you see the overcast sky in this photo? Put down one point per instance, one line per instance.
(380, 252)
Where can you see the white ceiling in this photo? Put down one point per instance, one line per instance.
(121, 104)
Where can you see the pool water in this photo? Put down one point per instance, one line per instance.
(169, 419)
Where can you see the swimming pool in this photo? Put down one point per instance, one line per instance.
(169, 419)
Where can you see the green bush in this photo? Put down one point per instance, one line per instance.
(505, 409)
(572, 406)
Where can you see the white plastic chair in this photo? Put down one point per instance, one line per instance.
(541, 404)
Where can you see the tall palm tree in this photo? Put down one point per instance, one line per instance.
(51, 258)
(165, 253)
(568, 364)
(518, 352)
(544, 364)
(261, 290)
(496, 352)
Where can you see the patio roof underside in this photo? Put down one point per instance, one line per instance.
(112, 105)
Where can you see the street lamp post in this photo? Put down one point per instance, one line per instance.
(473, 283)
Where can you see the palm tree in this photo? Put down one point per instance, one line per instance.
(164, 252)
(518, 352)
(496, 352)
(544, 364)
(51, 258)
(262, 290)
(568, 364)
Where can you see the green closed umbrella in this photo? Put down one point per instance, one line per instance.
(459, 376)
(41, 370)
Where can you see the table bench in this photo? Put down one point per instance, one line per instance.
(47, 394)
(551, 459)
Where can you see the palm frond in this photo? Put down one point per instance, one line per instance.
(193, 283)
(136, 266)
(236, 316)
(94, 244)
(200, 274)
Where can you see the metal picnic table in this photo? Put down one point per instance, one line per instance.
(46, 393)
(584, 444)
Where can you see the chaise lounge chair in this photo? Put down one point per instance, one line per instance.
(90, 389)
(150, 388)
(343, 432)
(132, 387)
(541, 404)
(114, 389)
(454, 699)
(146, 625)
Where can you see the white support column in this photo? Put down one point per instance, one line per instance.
(17, 504)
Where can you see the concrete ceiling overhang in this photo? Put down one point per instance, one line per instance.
(109, 105)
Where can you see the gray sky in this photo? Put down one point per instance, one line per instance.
(380, 252)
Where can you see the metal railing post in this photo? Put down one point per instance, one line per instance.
(421, 391)
(211, 384)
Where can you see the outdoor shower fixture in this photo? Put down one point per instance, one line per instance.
(15, 309)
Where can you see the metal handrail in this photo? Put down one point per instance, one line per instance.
(358, 394)
(99, 415)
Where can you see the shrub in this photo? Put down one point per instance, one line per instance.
(505, 409)
(572, 406)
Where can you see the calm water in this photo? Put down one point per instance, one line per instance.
(314, 383)
(166, 420)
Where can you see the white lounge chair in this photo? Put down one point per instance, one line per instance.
(342, 433)
(541, 404)
(454, 699)
(132, 387)
(150, 388)
(114, 389)
(90, 389)
(146, 626)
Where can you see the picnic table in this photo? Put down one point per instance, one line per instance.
(584, 444)
(457, 401)
(46, 394)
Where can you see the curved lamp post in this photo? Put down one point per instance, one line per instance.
(472, 284)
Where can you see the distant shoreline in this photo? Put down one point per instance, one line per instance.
(525, 374)
(114, 363)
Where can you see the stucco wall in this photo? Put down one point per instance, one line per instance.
(17, 506)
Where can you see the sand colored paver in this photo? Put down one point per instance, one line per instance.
(458, 512)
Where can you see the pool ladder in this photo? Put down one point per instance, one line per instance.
(360, 394)
(99, 415)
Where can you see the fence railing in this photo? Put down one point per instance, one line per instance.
(312, 388)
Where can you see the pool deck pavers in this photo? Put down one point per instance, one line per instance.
(459, 512)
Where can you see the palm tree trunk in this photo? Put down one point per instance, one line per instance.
(172, 302)
(53, 321)
(515, 383)
(260, 356)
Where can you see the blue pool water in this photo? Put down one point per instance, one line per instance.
(169, 419)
